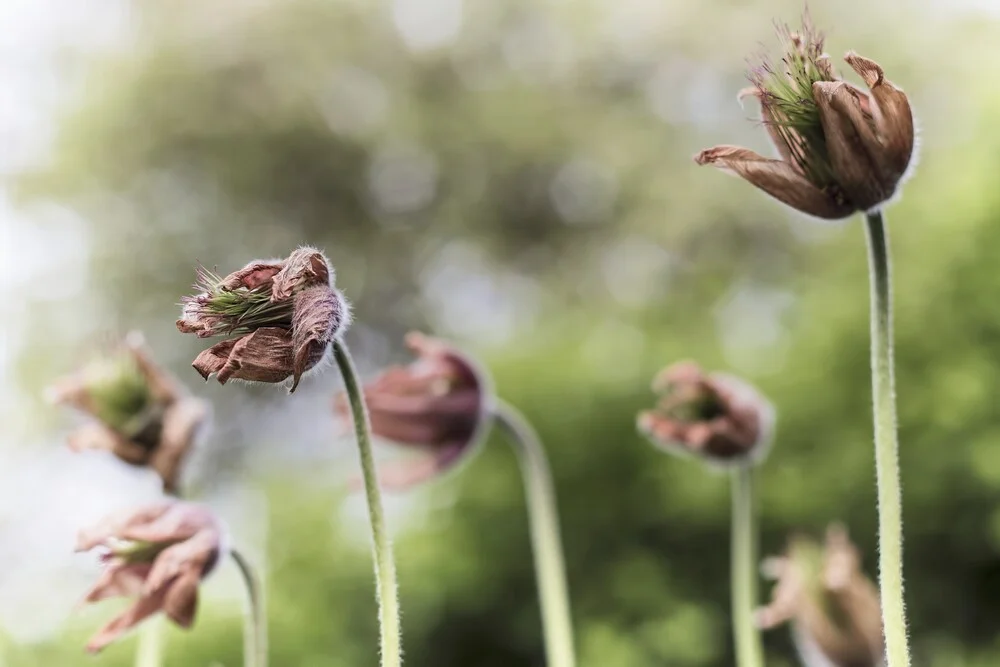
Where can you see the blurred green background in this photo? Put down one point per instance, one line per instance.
(515, 176)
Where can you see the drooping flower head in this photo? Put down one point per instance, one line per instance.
(714, 416)
(143, 415)
(439, 404)
(279, 316)
(832, 606)
(841, 149)
(157, 555)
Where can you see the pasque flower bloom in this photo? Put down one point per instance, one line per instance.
(833, 607)
(143, 415)
(841, 149)
(158, 555)
(715, 416)
(281, 316)
(439, 404)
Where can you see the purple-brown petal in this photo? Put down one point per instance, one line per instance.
(778, 179)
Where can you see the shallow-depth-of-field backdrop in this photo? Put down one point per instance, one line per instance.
(515, 176)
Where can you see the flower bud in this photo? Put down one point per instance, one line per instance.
(841, 149)
(143, 416)
(438, 404)
(280, 317)
(158, 555)
(715, 416)
(832, 606)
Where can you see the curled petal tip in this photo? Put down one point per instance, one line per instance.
(867, 69)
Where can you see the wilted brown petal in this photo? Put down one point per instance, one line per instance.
(119, 579)
(436, 404)
(181, 423)
(835, 610)
(854, 150)
(253, 275)
(140, 610)
(318, 315)
(185, 540)
(717, 416)
(97, 436)
(305, 267)
(776, 178)
(266, 355)
(892, 113)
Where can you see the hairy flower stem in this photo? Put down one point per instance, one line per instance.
(550, 567)
(890, 514)
(744, 570)
(255, 631)
(149, 652)
(385, 567)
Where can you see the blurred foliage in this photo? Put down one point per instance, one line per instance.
(525, 187)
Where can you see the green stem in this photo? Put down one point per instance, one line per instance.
(149, 653)
(385, 567)
(255, 632)
(550, 567)
(890, 514)
(749, 652)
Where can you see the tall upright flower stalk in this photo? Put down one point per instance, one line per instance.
(843, 150)
(743, 561)
(255, 630)
(890, 515)
(385, 567)
(725, 422)
(546, 541)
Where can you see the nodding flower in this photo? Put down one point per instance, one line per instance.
(832, 606)
(438, 404)
(717, 417)
(142, 414)
(841, 149)
(157, 555)
(279, 316)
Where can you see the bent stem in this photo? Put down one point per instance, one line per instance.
(890, 514)
(550, 567)
(385, 567)
(255, 630)
(744, 570)
(149, 653)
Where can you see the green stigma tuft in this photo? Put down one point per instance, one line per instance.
(119, 391)
(239, 311)
(786, 94)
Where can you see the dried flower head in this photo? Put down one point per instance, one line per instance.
(280, 317)
(833, 607)
(439, 404)
(841, 149)
(715, 416)
(158, 555)
(143, 416)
